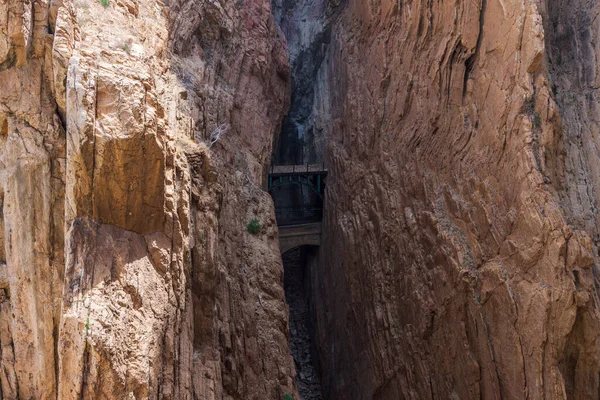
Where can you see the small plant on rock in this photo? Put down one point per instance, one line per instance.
(288, 397)
(254, 226)
(104, 3)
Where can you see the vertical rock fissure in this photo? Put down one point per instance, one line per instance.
(297, 294)
(470, 63)
(308, 29)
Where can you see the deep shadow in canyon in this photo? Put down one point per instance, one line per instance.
(297, 283)
(307, 27)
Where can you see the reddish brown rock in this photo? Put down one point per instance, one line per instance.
(460, 233)
(458, 257)
(127, 270)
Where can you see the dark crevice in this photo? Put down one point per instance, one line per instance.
(308, 26)
(298, 296)
(470, 62)
(10, 60)
(296, 144)
(62, 117)
(308, 45)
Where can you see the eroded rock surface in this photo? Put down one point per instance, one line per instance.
(126, 268)
(461, 214)
(460, 235)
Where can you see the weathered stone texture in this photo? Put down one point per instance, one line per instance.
(126, 268)
(461, 216)
(459, 260)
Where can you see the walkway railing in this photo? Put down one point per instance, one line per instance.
(293, 206)
(311, 169)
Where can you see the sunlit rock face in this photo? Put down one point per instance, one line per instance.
(127, 271)
(459, 248)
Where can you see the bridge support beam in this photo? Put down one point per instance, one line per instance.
(299, 235)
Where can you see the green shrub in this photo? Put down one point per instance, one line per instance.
(288, 397)
(254, 227)
(104, 3)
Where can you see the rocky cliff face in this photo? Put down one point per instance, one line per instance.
(459, 255)
(307, 26)
(461, 213)
(127, 270)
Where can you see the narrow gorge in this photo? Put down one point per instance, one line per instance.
(312, 199)
(307, 27)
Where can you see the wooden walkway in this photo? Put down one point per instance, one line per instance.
(304, 169)
(287, 210)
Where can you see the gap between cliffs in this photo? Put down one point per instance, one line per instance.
(297, 263)
(307, 27)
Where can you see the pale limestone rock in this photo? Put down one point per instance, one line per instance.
(118, 315)
(460, 222)
(119, 251)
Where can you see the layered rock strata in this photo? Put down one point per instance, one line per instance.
(127, 270)
(461, 217)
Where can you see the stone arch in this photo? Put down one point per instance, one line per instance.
(288, 244)
(299, 235)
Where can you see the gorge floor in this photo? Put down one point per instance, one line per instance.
(297, 296)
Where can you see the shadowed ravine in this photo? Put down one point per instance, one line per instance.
(306, 26)
(440, 224)
(296, 295)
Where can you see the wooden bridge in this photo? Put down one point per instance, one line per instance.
(298, 192)
(311, 176)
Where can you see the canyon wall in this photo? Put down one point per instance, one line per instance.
(459, 256)
(307, 26)
(134, 140)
